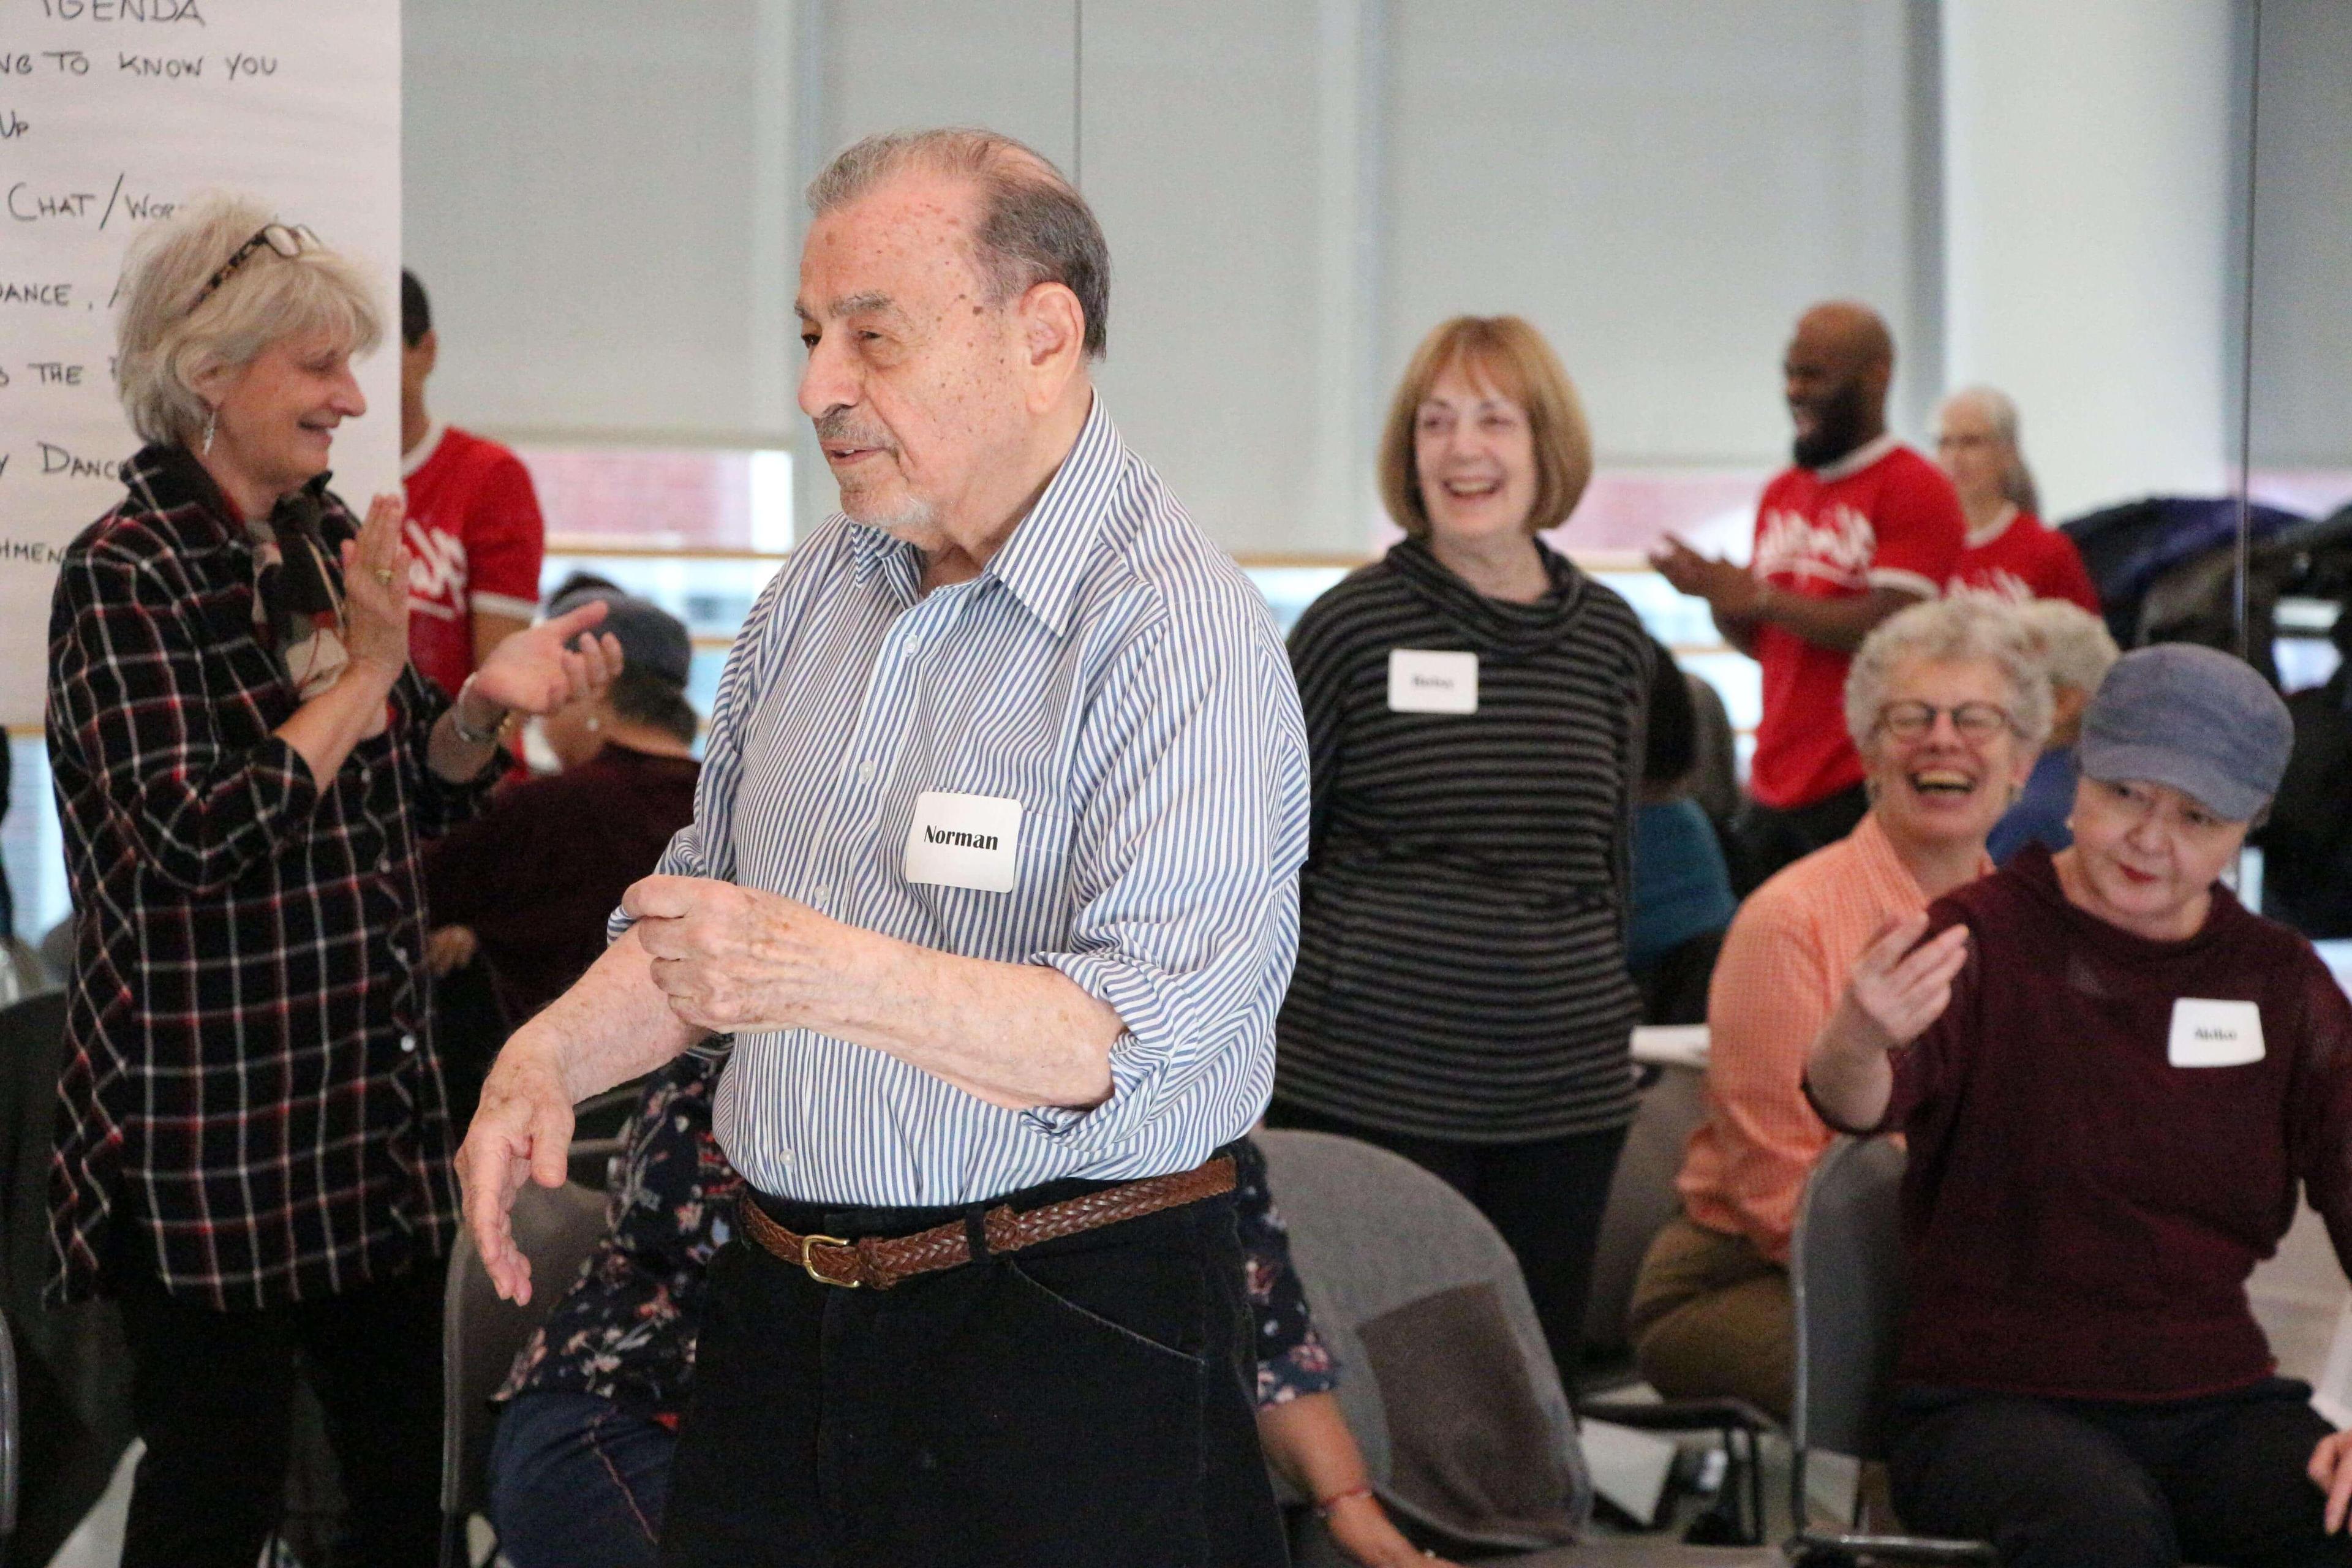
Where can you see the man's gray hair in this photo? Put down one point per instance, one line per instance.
(1035, 227)
(2074, 644)
(1972, 628)
(2017, 486)
(165, 340)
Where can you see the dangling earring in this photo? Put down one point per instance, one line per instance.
(212, 422)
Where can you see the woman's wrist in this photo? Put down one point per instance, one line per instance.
(477, 719)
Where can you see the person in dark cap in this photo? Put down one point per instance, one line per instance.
(2113, 1077)
(528, 884)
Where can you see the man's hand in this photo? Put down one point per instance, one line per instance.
(1729, 590)
(523, 1129)
(732, 959)
(2331, 1472)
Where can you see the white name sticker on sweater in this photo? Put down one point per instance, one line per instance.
(2214, 1033)
(964, 841)
(1424, 682)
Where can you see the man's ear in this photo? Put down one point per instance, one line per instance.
(1052, 334)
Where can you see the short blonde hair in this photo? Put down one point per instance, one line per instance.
(1971, 628)
(1514, 357)
(165, 340)
(2077, 648)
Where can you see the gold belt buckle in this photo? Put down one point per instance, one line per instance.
(808, 1260)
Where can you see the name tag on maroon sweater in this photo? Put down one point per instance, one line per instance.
(2214, 1033)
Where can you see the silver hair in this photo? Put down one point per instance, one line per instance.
(165, 340)
(2017, 486)
(1035, 226)
(1971, 627)
(2076, 646)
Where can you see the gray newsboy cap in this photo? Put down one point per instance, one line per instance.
(2193, 718)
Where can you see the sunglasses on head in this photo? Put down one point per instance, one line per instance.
(286, 239)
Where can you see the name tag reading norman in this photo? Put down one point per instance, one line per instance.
(965, 841)
(2214, 1033)
(1425, 683)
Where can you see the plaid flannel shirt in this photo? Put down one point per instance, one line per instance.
(251, 1085)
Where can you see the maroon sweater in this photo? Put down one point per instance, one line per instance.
(2079, 1216)
(537, 874)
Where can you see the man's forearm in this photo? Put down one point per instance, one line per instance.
(1739, 631)
(614, 1025)
(1016, 1034)
(1838, 625)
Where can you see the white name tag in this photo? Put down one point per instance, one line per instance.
(1422, 683)
(964, 841)
(2214, 1033)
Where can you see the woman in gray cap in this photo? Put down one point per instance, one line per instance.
(2113, 1077)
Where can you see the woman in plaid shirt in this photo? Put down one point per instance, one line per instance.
(253, 1147)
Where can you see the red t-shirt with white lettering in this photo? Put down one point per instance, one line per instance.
(1881, 517)
(2022, 558)
(475, 539)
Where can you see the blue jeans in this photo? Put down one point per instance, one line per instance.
(578, 1482)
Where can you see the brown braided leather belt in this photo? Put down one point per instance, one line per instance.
(880, 1262)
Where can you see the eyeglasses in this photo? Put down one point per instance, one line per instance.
(1974, 721)
(286, 239)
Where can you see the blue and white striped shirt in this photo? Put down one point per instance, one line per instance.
(1113, 671)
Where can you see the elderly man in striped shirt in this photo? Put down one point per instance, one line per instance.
(993, 880)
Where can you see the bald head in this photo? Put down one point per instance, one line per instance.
(1836, 374)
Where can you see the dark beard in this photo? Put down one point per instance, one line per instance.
(1838, 428)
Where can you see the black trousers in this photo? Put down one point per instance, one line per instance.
(1546, 1197)
(1764, 838)
(1080, 1403)
(2058, 1483)
(212, 1395)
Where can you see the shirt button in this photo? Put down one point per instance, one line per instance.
(820, 894)
(914, 646)
(383, 865)
(866, 771)
(408, 1042)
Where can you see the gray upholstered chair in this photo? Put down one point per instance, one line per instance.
(1845, 1271)
(480, 1334)
(1375, 1238)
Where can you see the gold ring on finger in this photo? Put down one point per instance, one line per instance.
(383, 576)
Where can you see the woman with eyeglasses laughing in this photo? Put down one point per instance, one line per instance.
(254, 1147)
(1948, 703)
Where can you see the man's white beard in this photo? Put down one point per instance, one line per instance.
(912, 516)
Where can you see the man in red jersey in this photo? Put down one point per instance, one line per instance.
(2010, 553)
(473, 533)
(1860, 527)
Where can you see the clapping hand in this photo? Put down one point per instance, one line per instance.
(535, 671)
(375, 589)
(1729, 589)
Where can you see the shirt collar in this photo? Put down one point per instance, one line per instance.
(1883, 864)
(1860, 458)
(423, 452)
(1980, 538)
(1041, 563)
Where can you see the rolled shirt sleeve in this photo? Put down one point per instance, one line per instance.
(1187, 875)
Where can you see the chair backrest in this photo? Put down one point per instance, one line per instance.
(480, 1334)
(1371, 1234)
(1642, 1199)
(1845, 1272)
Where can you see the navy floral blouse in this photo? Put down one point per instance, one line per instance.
(626, 1330)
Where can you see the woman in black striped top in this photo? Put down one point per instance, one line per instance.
(1475, 707)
